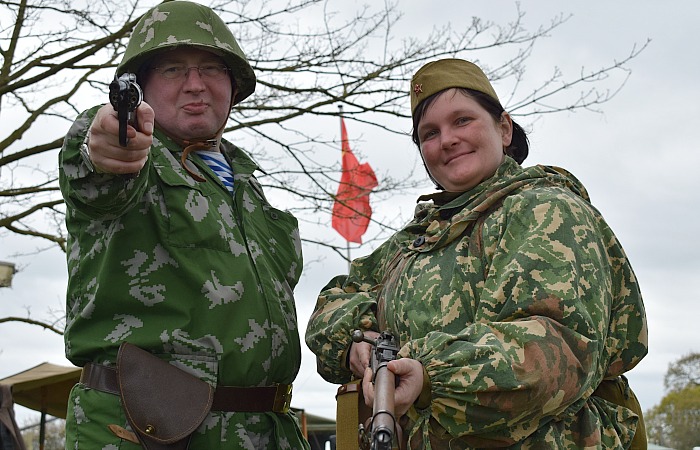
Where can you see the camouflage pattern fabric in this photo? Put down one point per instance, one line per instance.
(183, 269)
(518, 300)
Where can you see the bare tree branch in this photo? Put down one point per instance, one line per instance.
(57, 60)
(44, 325)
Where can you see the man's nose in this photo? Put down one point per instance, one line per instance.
(194, 80)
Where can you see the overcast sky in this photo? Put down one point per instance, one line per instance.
(636, 160)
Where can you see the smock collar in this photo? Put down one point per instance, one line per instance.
(442, 217)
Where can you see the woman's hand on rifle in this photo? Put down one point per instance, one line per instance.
(361, 355)
(409, 373)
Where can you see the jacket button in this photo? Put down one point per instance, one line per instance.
(420, 240)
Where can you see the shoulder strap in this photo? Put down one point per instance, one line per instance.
(351, 411)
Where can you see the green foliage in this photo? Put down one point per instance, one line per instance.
(54, 439)
(675, 422)
(685, 372)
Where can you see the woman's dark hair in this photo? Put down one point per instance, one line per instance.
(519, 144)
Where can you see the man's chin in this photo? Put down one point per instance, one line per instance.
(195, 134)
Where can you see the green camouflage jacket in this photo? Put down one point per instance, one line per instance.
(187, 271)
(517, 299)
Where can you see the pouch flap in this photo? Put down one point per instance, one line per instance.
(162, 403)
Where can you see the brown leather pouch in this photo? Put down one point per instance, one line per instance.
(163, 404)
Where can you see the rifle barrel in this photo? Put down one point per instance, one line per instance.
(383, 422)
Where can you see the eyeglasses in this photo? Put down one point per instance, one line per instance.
(179, 71)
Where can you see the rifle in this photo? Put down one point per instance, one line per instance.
(125, 95)
(383, 426)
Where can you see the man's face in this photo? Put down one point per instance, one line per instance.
(193, 106)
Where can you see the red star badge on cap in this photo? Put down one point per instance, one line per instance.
(418, 88)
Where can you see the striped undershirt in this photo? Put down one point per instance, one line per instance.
(217, 162)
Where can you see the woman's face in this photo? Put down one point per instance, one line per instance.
(461, 143)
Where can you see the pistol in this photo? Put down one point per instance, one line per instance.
(125, 95)
(383, 426)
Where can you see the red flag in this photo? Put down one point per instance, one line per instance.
(351, 210)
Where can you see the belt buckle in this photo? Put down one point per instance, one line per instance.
(283, 398)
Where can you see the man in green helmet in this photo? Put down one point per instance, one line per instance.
(174, 250)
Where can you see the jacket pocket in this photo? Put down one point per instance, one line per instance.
(193, 213)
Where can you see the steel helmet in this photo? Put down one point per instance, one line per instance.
(181, 23)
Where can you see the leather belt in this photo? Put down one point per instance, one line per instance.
(276, 398)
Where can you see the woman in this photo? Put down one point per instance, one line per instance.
(515, 306)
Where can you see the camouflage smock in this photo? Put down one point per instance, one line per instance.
(187, 271)
(517, 299)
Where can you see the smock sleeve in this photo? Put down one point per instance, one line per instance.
(97, 195)
(345, 304)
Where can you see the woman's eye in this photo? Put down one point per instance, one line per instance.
(428, 134)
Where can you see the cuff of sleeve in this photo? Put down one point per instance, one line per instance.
(85, 155)
(426, 396)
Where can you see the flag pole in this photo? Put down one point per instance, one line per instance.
(340, 110)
